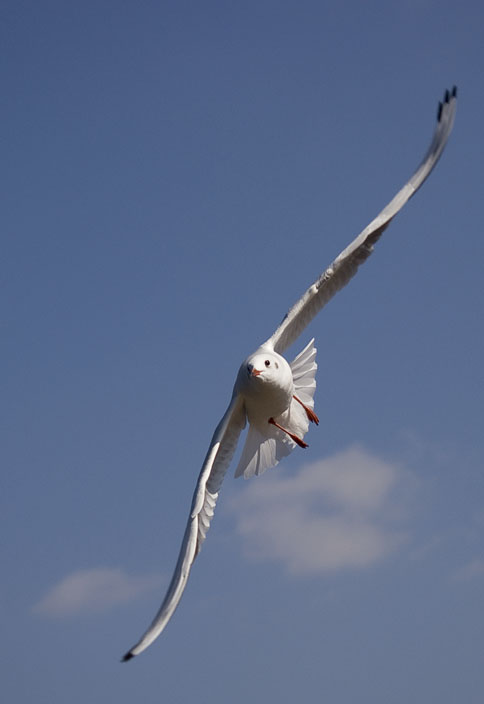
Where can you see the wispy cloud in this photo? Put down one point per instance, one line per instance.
(338, 513)
(474, 568)
(94, 590)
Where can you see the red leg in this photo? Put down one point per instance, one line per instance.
(309, 411)
(297, 440)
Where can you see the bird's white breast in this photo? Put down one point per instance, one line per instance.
(269, 393)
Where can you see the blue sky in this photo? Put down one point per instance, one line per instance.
(174, 176)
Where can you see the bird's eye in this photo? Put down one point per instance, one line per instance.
(267, 363)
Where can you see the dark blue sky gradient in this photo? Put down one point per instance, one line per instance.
(174, 176)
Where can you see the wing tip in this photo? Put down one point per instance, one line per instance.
(448, 96)
(127, 656)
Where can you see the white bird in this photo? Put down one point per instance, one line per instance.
(277, 397)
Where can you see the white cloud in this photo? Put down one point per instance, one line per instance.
(340, 512)
(94, 590)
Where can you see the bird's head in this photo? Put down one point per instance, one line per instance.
(262, 366)
(263, 369)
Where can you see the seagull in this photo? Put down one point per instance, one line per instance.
(275, 396)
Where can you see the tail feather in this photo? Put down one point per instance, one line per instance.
(262, 451)
(304, 372)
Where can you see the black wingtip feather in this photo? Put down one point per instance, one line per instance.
(447, 96)
(127, 657)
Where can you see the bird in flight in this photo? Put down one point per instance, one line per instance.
(275, 396)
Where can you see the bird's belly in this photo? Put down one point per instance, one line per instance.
(267, 403)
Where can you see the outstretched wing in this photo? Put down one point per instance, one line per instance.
(346, 264)
(216, 462)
